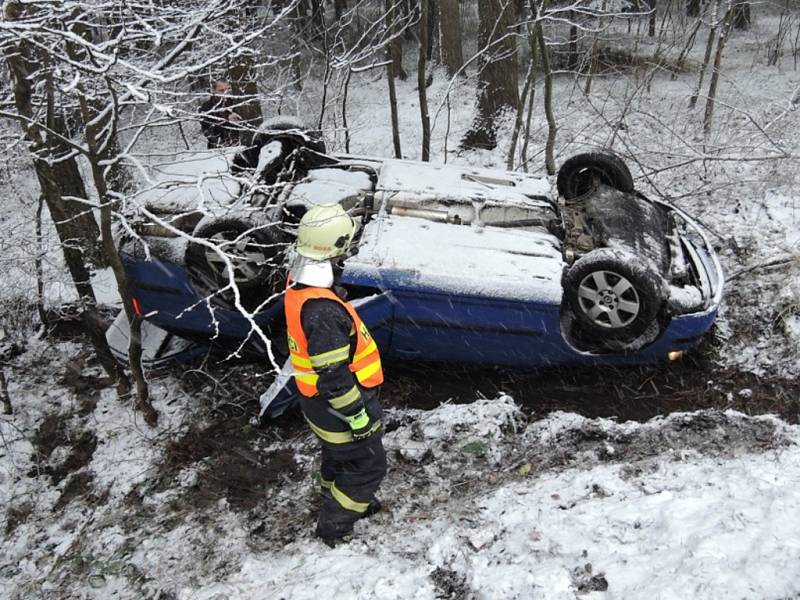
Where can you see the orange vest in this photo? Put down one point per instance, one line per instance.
(366, 362)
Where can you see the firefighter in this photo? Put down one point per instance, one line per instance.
(338, 372)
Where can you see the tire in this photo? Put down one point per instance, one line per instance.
(291, 141)
(276, 127)
(257, 256)
(613, 294)
(581, 173)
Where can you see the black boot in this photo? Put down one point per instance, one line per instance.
(374, 507)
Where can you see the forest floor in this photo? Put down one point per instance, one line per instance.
(676, 480)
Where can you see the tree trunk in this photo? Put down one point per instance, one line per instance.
(243, 80)
(297, 25)
(523, 154)
(396, 13)
(55, 178)
(651, 20)
(741, 15)
(397, 59)
(344, 111)
(686, 48)
(712, 86)
(593, 53)
(6, 399)
(107, 203)
(527, 88)
(497, 75)
(573, 60)
(433, 28)
(552, 128)
(392, 92)
(423, 97)
(76, 224)
(98, 154)
(450, 36)
(712, 32)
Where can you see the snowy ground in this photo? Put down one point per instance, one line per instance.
(480, 503)
(483, 500)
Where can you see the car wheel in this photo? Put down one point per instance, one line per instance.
(277, 127)
(613, 294)
(290, 143)
(581, 173)
(256, 255)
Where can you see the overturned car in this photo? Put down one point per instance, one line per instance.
(450, 263)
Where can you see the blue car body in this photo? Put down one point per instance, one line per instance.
(434, 288)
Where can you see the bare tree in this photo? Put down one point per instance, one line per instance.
(742, 19)
(54, 162)
(712, 86)
(450, 36)
(433, 30)
(497, 73)
(421, 83)
(712, 34)
(552, 127)
(390, 75)
(65, 58)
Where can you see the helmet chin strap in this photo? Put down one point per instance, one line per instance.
(313, 272)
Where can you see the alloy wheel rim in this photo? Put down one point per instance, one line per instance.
(608, 299)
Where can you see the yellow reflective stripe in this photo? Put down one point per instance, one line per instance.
(299, 361)
(347, 502)
(330, 357)
(371, 347)
(309, 378)
(325, 483)
(368, 371)
(332, 437)
(337, 437)
(345, 399)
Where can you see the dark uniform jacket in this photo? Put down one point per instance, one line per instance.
(327, 326)
(214, 122)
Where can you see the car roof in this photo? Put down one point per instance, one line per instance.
(460, 183)
(417, 254)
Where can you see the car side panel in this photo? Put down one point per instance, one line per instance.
(442, 327)
(377, 313)
(168, 300)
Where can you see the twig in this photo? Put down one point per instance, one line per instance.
(776, 262)
(6, 399)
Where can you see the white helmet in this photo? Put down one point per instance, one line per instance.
(325, 232)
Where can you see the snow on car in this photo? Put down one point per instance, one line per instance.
(451, 263)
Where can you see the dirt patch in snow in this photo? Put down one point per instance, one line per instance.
(632, 393)
(443, 462)
(232, 463)
(54, 434)
(450, 585)
(585, 582)
(79, 485)
(16, 515)
(710, 433)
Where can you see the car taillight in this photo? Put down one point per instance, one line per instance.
(137, 307)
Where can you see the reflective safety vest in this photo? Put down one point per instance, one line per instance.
(366, 361)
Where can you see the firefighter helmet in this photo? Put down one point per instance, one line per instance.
(325, 232)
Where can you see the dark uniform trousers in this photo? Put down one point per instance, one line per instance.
(350, 475)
